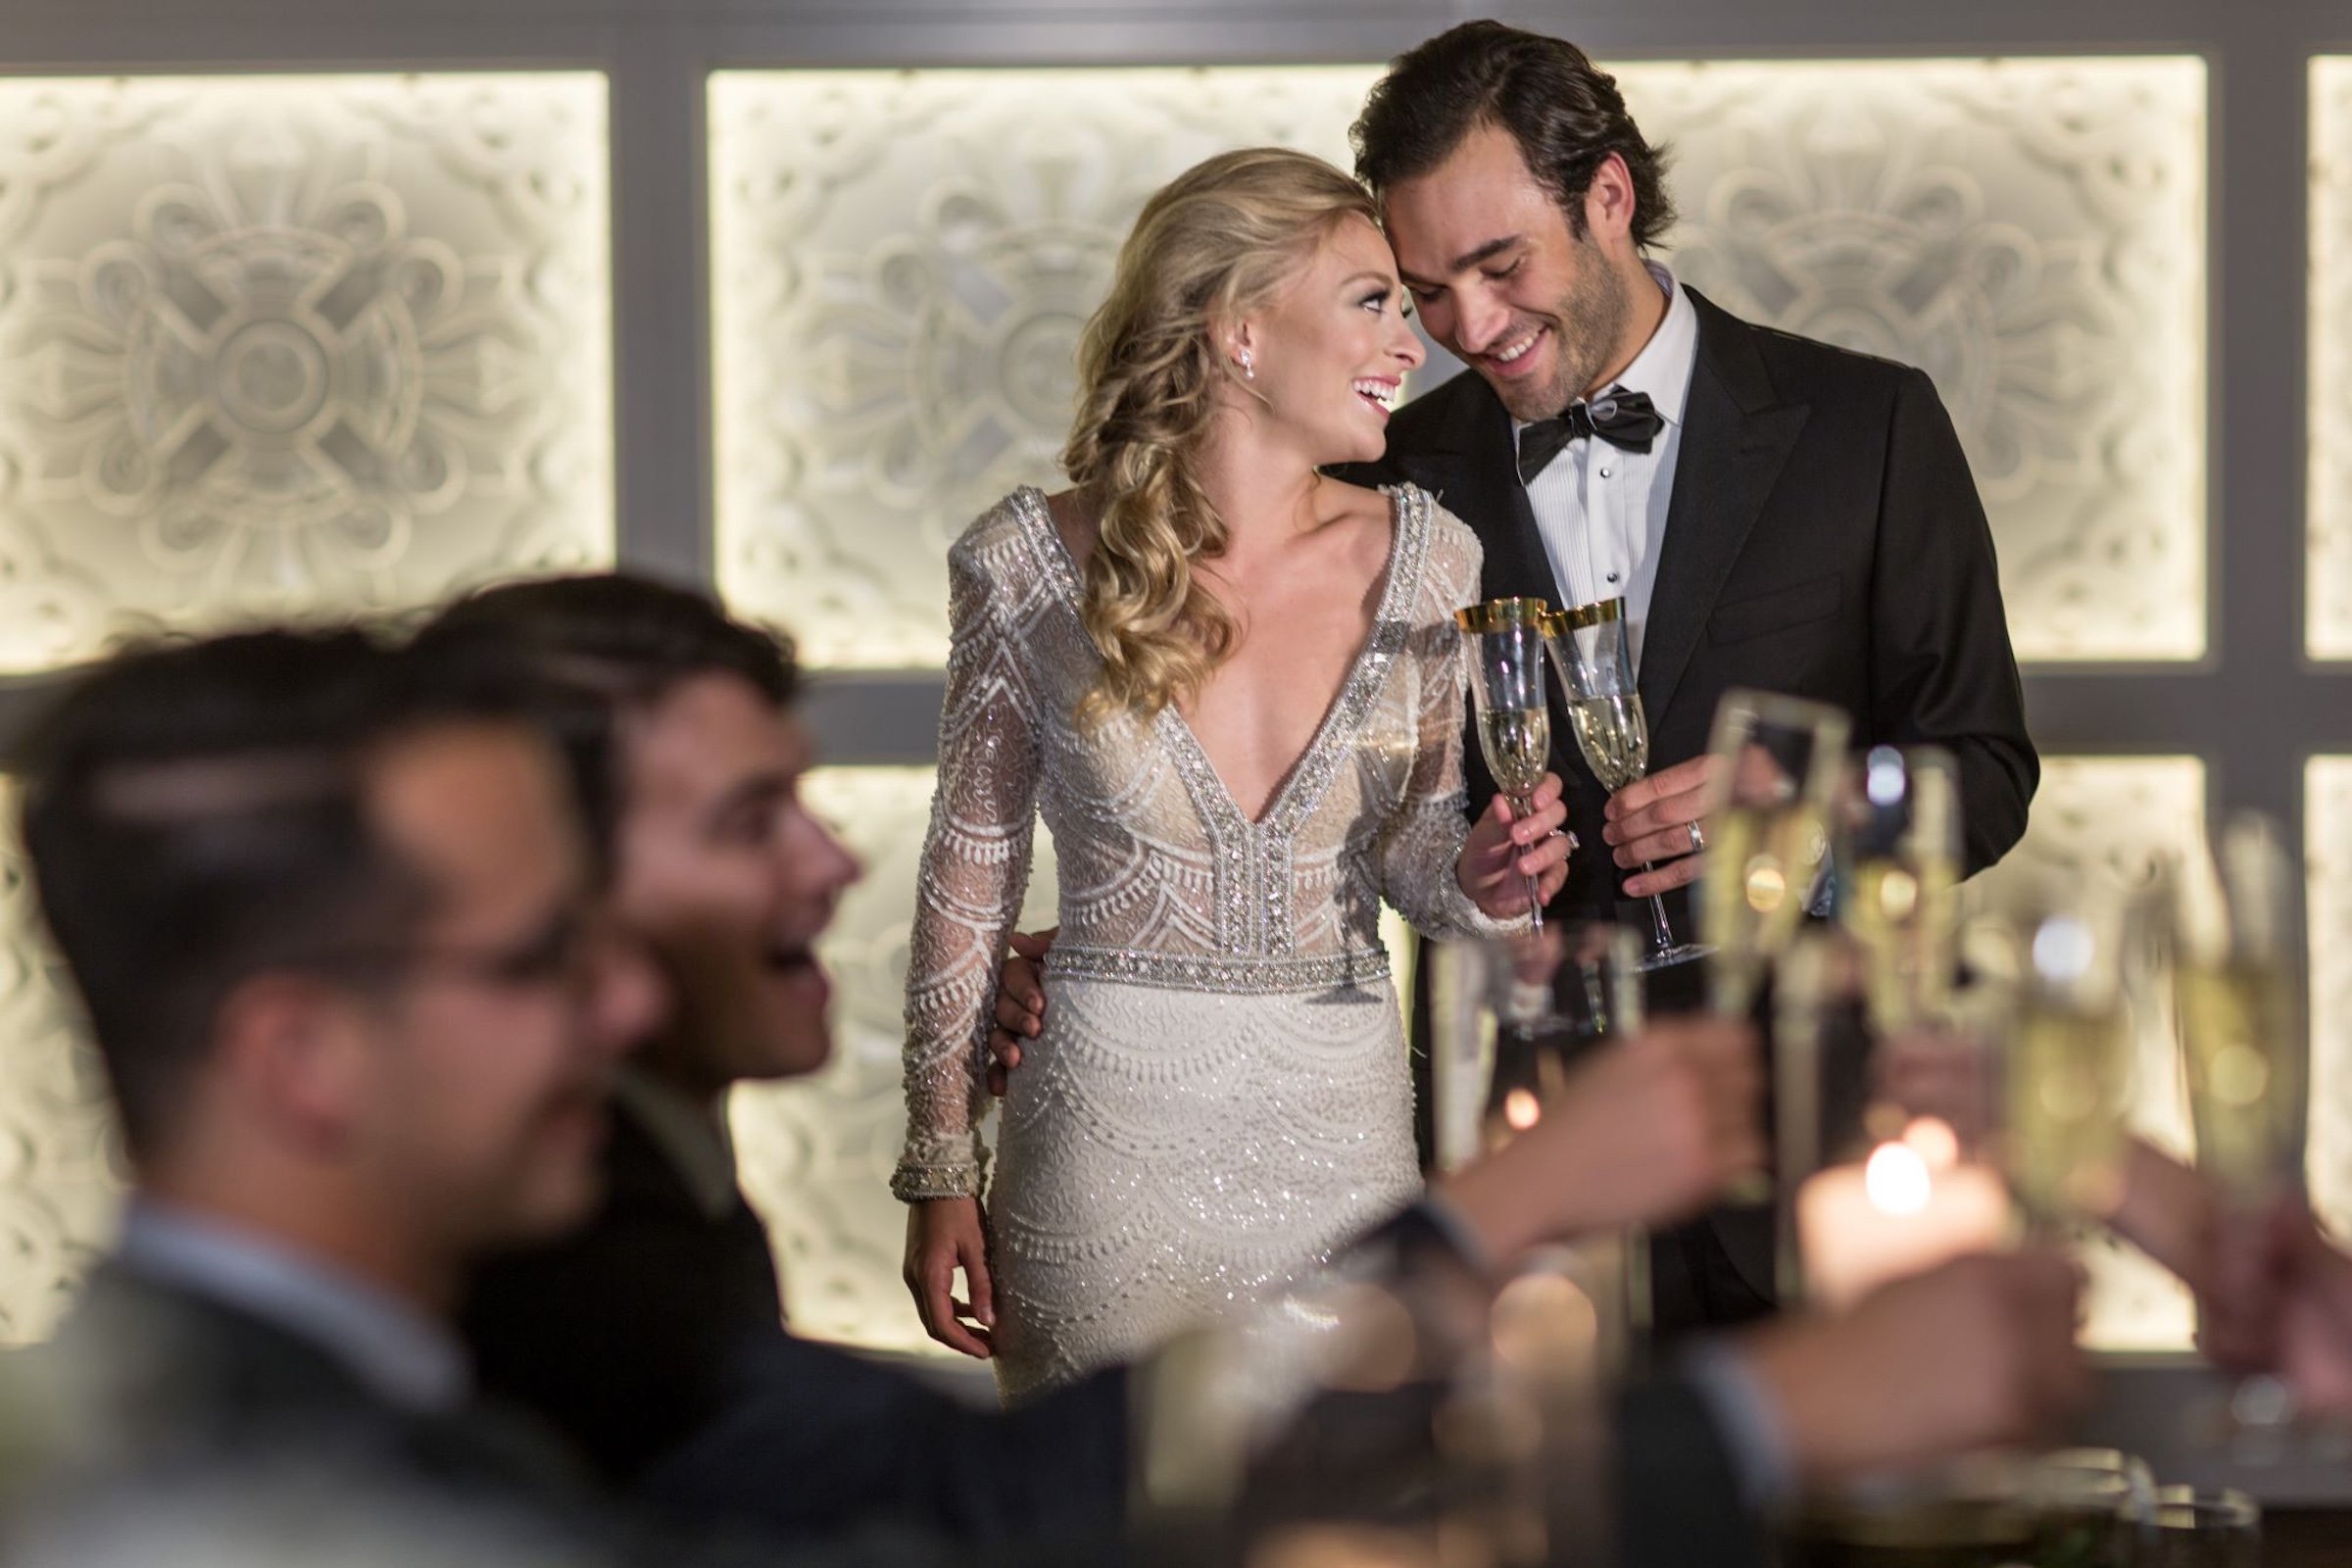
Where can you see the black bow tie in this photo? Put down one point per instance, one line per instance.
(1621, 418)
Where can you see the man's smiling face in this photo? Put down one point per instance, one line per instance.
(1535, 305)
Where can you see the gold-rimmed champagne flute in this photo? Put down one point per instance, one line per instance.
(1596, 665)
(1777, 766)
(1506, 684)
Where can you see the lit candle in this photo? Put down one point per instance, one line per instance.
(1910, 1206)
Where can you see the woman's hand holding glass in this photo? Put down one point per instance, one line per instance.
(1510, 859)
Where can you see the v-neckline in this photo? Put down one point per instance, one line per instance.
(1362, 669)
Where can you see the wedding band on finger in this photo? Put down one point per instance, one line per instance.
(1698, 837)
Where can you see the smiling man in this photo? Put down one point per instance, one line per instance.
(1775, 512)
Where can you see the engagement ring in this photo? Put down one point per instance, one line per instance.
(1698, 838)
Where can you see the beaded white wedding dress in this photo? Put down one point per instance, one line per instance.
(1220, 1096)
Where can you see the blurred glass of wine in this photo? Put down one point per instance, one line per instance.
(1898, 879)
(2067, 1078)
(2236, 984)
(1777, 763)
(1505, 640)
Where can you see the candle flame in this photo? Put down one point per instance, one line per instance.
(1520, 1109)
(1897, 1180)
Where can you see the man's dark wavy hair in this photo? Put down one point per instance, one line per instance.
(1564, 113)
(622, 641)
(196, 814)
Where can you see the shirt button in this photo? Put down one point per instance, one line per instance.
(1612, 577)
(1604, 473)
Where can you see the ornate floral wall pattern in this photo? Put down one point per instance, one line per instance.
(61, 1177)
(285, 344)
(2328, 624)
(2030, 232)
(903, 261)
(817, 1155)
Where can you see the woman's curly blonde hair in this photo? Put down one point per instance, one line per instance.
(1214, 245)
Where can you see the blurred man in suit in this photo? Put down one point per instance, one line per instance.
(1776, 513)
(339, 940)
(638, 1331)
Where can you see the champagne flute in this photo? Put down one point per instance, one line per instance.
(1777, 764)
(1514, 722)
(1898, 864)
(2066, 1080)
(1587, 646)
(2236, 991)
(2236, 982)
(1511, 1021)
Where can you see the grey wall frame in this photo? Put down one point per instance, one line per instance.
(2254, 707)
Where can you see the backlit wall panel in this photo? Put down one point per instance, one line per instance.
(902, 262)
(2031, 233)
(2328, 588)
(295, 345)
(61, 1175)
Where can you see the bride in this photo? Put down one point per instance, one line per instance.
(1232, 688)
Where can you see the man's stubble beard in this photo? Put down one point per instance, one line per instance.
(1589, 323)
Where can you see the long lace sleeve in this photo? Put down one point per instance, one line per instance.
(975, 869)
(1424, 835)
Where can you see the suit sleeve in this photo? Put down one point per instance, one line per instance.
(815, 1442)
(1942, 670)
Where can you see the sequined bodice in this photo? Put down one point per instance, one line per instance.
(1163, 880)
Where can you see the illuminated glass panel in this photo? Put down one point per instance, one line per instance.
(295, 344)
(61, 1177)
(2328, 624)
(902, 262)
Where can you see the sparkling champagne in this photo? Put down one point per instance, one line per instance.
(1613, 736)
(1903, 911)
(2069, 1075)
(1761, 861)
(2244, 1092)
(1517, 742)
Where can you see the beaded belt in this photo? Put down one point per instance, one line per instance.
(1271, 975)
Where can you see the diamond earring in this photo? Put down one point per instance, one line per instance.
(1249, 366)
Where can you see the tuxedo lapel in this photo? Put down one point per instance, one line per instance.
(1736, 439)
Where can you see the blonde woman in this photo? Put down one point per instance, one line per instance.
(1231, 686)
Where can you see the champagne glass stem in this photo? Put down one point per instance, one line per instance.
(1523, 807)
(1659, 928)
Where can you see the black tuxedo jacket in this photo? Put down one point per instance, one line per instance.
(1824, 539)
(653, 1339)
(168, 1381)
(169, 1393)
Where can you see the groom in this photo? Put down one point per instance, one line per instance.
(1776, 513)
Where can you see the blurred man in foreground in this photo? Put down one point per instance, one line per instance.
(338, 938)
